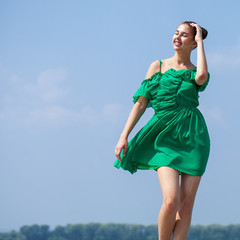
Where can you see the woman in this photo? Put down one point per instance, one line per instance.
(175, 141)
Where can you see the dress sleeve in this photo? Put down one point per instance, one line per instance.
(201, 88)
(144, 91)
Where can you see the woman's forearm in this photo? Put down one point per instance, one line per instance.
(137, 111)
(202, 70)
(201, 58)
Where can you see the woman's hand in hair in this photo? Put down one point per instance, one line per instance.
(198, 36)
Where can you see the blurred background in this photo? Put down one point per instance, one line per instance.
(68, 71)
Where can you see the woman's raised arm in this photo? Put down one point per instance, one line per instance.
(202, 70)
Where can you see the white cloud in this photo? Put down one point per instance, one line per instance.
(55, 115)
(40, 105)
(48, 85)
(58, 116)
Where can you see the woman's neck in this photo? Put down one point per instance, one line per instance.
(181, 59)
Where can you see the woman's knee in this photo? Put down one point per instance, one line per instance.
(171, 204)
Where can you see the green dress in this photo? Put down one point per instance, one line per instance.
(176, 135)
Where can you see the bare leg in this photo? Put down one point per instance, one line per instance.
(169, 181)
(188, 189)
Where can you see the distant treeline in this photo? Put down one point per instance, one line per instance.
(97, 231)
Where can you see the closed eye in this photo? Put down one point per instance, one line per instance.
(184, 34)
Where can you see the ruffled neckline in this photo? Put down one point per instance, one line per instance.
(179, 70)
(170, 69)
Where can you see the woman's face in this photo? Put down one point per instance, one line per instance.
(183, 38)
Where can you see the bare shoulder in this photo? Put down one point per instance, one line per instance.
(166, 64)
(154, 67)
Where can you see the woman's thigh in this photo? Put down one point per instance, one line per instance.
(169, 182)
(189, 185)
(188, 190)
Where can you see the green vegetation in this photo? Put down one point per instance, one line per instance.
(97, 231)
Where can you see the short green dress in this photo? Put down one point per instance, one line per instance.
(176, 135)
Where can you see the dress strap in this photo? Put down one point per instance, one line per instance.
(160, 65)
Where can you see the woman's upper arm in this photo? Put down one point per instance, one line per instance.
(143, 102)
(201, 79)
(202, 85)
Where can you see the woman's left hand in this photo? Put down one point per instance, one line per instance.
(198, 36)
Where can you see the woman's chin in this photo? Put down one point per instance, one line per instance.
(176, 48)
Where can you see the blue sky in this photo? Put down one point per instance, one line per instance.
(68, 71)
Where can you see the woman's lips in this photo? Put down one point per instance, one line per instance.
(177, 43)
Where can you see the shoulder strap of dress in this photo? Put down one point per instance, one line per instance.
(160, 65)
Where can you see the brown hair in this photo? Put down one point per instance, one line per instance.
(204, 31)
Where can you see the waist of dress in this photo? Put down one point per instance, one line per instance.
(190, 109)
(163, 107)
